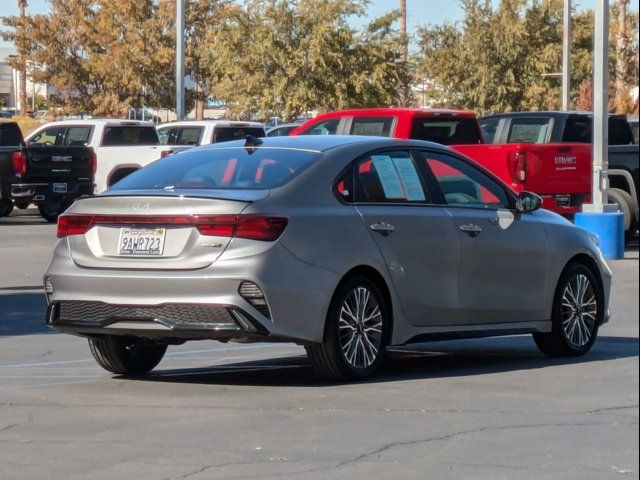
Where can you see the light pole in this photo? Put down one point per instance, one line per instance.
(599, 217)
(180, 59)
(566, 56)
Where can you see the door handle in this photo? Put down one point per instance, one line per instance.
(383, 228)
(471, 229)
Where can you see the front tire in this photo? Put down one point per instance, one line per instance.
(356, 332)
(578, 311)
(126, 356)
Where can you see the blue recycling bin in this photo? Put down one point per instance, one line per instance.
(609, 228)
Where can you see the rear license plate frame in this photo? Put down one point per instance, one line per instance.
(60, 187)
(151, 240)
(563, 200)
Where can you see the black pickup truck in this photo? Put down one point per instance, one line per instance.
(577, 127)
(50, 177)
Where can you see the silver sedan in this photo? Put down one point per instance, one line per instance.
(345, 245)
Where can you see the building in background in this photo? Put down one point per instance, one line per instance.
(9, 81)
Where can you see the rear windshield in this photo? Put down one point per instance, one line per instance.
(119, 136)
(226, 134)
(180, 135)
(529, 130)
(447, 131)
(229, 168)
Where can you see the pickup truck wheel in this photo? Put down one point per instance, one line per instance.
(6, 207)
(578, 311)
(625, 202)
(126, 356)
(51, 211)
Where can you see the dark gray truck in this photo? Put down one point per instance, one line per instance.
(50, 177)
(577, 127)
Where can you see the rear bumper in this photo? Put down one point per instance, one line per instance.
(44, 192)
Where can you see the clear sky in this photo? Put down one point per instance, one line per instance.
(420, 12)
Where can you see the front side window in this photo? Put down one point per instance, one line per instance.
(328, 127)
(529, 130)
(374, 126)
(52, 136)
(388, 177)
(77, 136)
(228, 168)
(462, 185)
(180, 135)
(119, 136)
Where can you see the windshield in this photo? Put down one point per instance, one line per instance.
(129, 135)
(228, 168)
(227, 134)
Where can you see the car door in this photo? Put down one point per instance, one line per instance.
(504, 264)
(417, 239)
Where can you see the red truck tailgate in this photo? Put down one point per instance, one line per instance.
(560, 173)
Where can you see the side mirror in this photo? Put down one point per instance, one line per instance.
(528, 202)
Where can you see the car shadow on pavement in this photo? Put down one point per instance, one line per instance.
(22, 313)
(423, 361)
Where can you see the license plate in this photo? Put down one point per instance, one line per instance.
(563, 200)
(142, 241)
(60, 187)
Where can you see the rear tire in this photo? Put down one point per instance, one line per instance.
(625, 203)
(51, 211)
(125, 355)
(578, 311)
(356, 332)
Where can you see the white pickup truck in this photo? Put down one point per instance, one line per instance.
(189, 133)
(121, 146)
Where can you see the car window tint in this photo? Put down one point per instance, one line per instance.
(374, 126)
(388, 177)
(528, 130)
(463, 185)
(48, 137)
(577, 130)
(344, 186)
(489, 128)
(227, 134)
(228, 168)
(118, 136)
(77, 136)
(446, 131)
(328, 127)
(10, 135)
(180, 135)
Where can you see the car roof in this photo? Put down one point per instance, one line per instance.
(322, 143)
(203, 123)
(398, 111)
(546, 113)
(101, 121)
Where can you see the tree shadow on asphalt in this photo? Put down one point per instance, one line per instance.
(420, 361)
(22, 313)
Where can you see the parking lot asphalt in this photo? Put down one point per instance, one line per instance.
(480, 409)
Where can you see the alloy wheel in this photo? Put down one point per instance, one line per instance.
(579, 310)
(360, 328)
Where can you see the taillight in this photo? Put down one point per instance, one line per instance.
(19, 163)
(518, 166)
(253, 227)
(94, 163)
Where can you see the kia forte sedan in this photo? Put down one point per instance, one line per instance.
(346, 245)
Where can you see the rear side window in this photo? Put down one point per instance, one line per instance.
(577, 130)
(228, 168)
(180, 135)
(119, 136)
(328, 127)
(10, 135)
(529, 130)
(375, 126)
(447, 131)
(619, 131)
(489, 129)
(388, 177)
(227, 134)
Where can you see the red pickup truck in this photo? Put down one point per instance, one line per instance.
(559, 172)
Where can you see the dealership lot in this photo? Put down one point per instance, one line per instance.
(492, 408)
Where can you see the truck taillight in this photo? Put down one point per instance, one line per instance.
(19, 163)
(252, 227)
(94, 163)
(518, 166)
